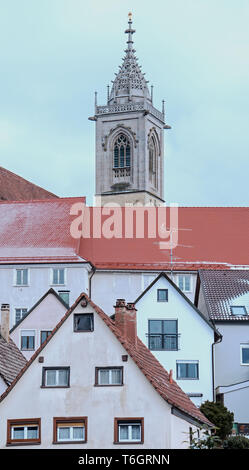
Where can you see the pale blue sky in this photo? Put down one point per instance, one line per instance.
(55, 53)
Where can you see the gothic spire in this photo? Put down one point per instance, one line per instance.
(129, 84)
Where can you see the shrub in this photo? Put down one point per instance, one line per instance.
(220, 416)
(236, 442)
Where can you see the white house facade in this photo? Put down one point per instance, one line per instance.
(94, 388)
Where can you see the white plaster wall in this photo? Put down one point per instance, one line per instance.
(43, 318)
(237, 402)
(196, 336)
(40, 282)
(83, 352)
(126, 285)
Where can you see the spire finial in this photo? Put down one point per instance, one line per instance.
(130, 31)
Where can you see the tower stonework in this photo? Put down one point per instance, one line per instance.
(129, 139)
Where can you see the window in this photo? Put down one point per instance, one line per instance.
(83, 322)
(153, 161)
(127, 430)
(67, 430)
(21, 277)
(58, 276)
(238, 310)
(122, 152)
(184, 283)
(244, 354)
(187, 369)
(162, 295)
(64, 295)
(20, 312)
(163, 335)
(55, 376)
(28, 340)
(44, 335)
(109, 376)
(23, 431)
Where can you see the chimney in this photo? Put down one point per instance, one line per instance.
(126, 320)
(5, 321)
(171, 376)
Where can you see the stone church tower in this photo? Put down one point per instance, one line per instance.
(129, 138)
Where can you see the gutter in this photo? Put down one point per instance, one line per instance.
(92, 272)
(213, 345)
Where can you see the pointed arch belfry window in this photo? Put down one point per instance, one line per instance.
(153, 155)
(122, 152)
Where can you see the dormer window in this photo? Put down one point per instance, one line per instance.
(238, 310)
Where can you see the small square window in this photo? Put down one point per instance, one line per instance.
(64, 295)
(162, 295)
(238, 310)
(83, 322)
(109, 376)
(21, 277)
(187, 370)
(20, 313)
(128, 430)
(70, 430)
(55, 376)
(27, 340)
(25, 431)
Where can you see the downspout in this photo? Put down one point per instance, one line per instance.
(90, 281)
(213, 344)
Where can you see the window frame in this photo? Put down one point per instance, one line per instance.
(128, 421)
(126, 158)
(167, 295)
(11, 423)
(74, 419)
(190, 282)
(21, 336)
(162, 334)
(52, 276)
(97, 369)
(22, 314)
(15, 277)
(44, 331)
(243, 346)
(188, 362)
(64, 292)
(238, 314)
(44, 370)
(85, 314)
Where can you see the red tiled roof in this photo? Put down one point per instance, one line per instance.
(16, 188)
(37, 231)
(221, 289)
(11, 360)
(208, 237)
(144, 359)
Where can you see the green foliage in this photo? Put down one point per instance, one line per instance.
(236, 442)
(206, 441)
(220, 416)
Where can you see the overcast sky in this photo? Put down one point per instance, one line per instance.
(55, 53)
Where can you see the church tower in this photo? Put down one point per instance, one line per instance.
(129, 138)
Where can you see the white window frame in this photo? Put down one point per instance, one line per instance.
(52, 276)
(35, 338)
(129, 432)
(26, 426)
(110, 375)
(15, 277)
(19, 308)
(71, 439)
(194, 361)
(243, 346)
(190, 282)
(56, 377)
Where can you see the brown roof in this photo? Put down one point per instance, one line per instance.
(221, 288)
(16, 188)
(144, 359)
(11, 360)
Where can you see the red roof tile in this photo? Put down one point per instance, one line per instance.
(211, 237)
(16, 188)
(37, 231)
(144, 359)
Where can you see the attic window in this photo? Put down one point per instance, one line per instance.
(83, 322)
(238, 310)
(162, 295)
